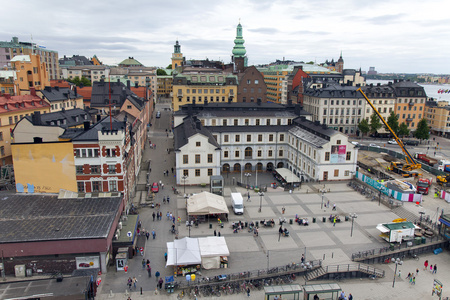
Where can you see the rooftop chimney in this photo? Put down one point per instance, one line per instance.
(36, 118)
(86, 125)
(129, 84)
(57, 88)
(7, 96)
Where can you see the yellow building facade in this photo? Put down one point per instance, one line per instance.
(203, 87)
(55, 159)
(12, 110)
(30, 73)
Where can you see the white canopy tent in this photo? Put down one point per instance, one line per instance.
(183, 252)
(287, 175)
(206, 203)
(211, 249)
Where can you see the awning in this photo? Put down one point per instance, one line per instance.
(287, 175)
(383, 229)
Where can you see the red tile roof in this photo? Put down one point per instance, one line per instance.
(21, 103)
(86, 92)
(60, 83)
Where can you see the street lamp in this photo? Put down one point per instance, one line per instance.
(397, 262)
(323, 192)
(261, 194)
(353, 216)
(184, 177)
(247, 175)
(189, 225)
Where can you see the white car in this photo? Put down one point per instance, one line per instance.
(374, 145)
(392, 142)
(355, 143)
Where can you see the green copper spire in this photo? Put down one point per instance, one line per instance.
(239, 49)
(177, 47)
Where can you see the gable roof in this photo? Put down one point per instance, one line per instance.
(27, 218)
(119, 92)
(91, 134)
(59, 93)
(190, 127)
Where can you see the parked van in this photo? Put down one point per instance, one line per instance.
(237, 203)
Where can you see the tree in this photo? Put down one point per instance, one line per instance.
(169, 67)
(375, 123)
(161, 72)
(78, 82)
(393, 122)
(423, 130)
(403, 130)
(364, 127)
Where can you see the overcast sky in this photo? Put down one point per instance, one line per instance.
(408, 36)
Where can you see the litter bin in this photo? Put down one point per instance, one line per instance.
(314, 220)
(210, 226)
(391, 247)
(346, 218)
(417, 241)
(324, 219)
(291, 221)
(256, 223)
(424, 240)
(221, 225)
(246, 224)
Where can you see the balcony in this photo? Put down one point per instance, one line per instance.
(180, 95)
(409, 120)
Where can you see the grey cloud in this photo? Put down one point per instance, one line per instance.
(265, 30)
(384, 19)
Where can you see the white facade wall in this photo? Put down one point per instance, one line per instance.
(197, 172)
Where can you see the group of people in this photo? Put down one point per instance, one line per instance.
(433, 269)
(342, 296)
(158, 215)
(302, 221)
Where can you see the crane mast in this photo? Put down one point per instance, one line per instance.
(411, 163)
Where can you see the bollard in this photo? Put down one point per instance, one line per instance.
(141, 290)
(324, 257)
(332, 254)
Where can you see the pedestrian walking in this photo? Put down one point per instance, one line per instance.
(160, 283)
(248, 292)
(328, 203)
(153, 233)
(417, 272)
(162, 186)
(411, 279)
(134, 282)
(334, 222)
(149, 270)
(147, 235)
(160, 182)
(218, 233)
(168, 200)
(334, 206)
(303, 258)
(283, 210)
(350, 297)
(172, 170)
(143, 263)
(399, 273)
(431, 268)
(168, 215)
(157, 275)
(248, 196)
(414, 281)
(130, 282)
(165, 256)
(434, 269)
(153, 215)
(164, 199)
(148, 262)
(409, 276)
(160, 215)
(215, 233)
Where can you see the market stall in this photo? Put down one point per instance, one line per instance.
(184, 255)
(214, 252)
(206, 204)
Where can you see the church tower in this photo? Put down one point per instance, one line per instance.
(239, 59)
(340, 64)
(177, 56)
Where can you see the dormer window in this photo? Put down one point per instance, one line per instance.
(6, 106)
(17, 105)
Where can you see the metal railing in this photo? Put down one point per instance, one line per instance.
(354, 268)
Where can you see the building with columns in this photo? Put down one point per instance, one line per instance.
(242, 137)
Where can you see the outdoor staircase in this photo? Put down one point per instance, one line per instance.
(316, 273)
(343, 269)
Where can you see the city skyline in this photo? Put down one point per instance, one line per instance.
(401, 37)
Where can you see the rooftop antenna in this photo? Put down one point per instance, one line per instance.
(109, 92)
